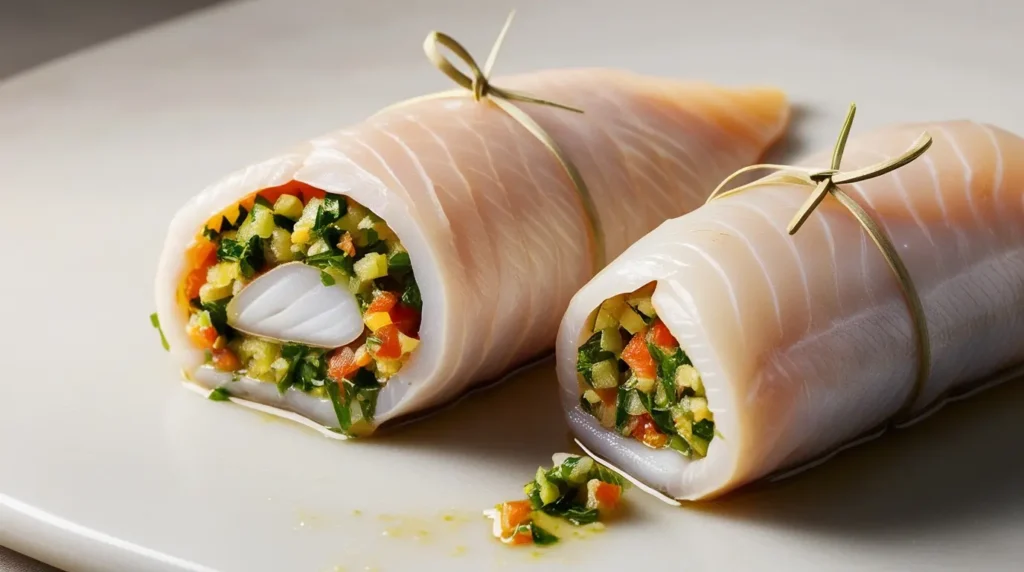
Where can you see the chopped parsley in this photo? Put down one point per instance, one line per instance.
(219, 394)
(154, 319)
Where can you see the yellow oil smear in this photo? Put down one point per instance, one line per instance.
(460, 551)
(440, 528)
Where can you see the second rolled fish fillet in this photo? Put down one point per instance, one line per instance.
(719, 349)
(384, 269)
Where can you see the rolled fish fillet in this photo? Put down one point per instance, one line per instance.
(770, 351)
(386, 268)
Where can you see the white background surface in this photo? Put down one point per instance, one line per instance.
(106, 463)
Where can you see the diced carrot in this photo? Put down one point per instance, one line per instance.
(514, 513)
(382, 302)
(521, 538)
(203, 337)
(639, 359)
(661, 336)
(647, 432)
(200, 256)
(342, 364)
(607, 495)
(608, 395)
(225, 360)
(390, 344)
(407, 320)
(346, 245)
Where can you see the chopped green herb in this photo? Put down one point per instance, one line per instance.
(218, 312)
(262, 202)
(589, 354)
(284, 222)
(249, 255)
(330, 210)
(155, 321)
(540, 536)
(399, 262)
(209, 233)
(411, 294)
(326, 279)
(330, 259)
(219, 394)
(705, 429)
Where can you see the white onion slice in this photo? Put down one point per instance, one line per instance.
(291, 304)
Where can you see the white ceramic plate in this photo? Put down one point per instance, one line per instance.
(106, 463)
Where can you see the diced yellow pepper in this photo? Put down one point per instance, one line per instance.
(408, 344)
(388, 367)
(376, 320)
(591, 396)
(300, 235)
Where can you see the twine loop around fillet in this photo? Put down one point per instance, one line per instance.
(478, 85)
(826, 182)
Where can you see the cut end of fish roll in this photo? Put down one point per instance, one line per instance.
(641, 396)
(298, 298)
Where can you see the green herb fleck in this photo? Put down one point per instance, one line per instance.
(540, 536)
(155, 321)
(219, 394)
(411, 294)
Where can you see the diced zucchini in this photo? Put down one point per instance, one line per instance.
(581, 471)
(408, 344)
(350, 220)
(605, 374)
(211, 293)
(308, 216)
(373, 265)
(611, 340)
(281, 245)
(688, 377)
(645, 384)
(642, 302)
(222, 273)
(259, 355)
(260, 222)
(548, 490)
(614, 305)
(318, 247)
(288, 206)
(699, 407)
(377, 320)
(634, 406)
(605, 320)
(699, 445)
(360, 287)
(631, 320)
(592, 397)
(280, 369)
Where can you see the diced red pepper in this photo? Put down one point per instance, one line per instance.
(342, 364)
(203, 337)
(390, 345)
(225, 360)
(406, 319)
(661, 336)
(647, 432)
(382, 302)
(607, 495)
(639, 359)
(513, 514)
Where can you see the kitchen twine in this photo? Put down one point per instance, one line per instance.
(478, 85)
(826, 182)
